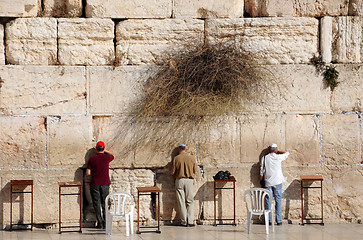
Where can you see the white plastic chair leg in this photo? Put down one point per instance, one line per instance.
(127, 218)
(108, 224)
(132, 221)
(266, 222)
(249, 215)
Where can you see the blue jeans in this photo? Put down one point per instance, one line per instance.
(276, 192)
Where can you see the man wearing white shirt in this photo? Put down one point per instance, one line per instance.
(271, 172)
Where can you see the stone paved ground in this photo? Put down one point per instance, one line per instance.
(207, 232)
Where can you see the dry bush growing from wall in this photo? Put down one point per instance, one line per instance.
(207, 80)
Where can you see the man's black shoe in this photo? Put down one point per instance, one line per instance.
(191, 225)
(278, 224)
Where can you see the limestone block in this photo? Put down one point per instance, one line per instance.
(257, 133)
(348, 96)
(326, 38)
(355, 8)
(117, 133)
(116, 90)
(40, 90)
(69, 139)
(67, 8)
(301, 8)
(31, 41)
(302, 139)
(268, 40)
(208, 9)
(85, 41)
(23, 142)
(218, 141)
(126, 180)
(46, 199)
(346, 194)
(2, 52)
(144, 41)
(341, 139)
(129, 9)
(19, 8)
(347, 43)
(156, 139)
(290, 89)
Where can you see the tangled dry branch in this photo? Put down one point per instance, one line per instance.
(208, 80)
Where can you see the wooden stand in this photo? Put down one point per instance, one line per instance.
(147, 191)
(20, 183)
(68, 185)
(311, 178)
(233, 180)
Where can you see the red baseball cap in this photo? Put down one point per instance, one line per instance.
(100, 144)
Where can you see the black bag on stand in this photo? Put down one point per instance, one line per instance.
(222, 175)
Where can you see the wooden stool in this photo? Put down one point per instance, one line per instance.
(311, 178)
(233, 180)
(147, 191)
(20, 183)
(68, 185)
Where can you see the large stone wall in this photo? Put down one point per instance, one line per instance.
(70, 75)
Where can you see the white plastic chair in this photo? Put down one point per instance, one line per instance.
(116, 206)
(255, 204)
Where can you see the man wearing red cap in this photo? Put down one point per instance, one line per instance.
(98, 169)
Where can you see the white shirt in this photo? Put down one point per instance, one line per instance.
(271, 168)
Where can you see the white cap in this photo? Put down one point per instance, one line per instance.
(274, 145)
(182, 145)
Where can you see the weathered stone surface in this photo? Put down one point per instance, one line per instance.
(85, 41)
(348, 95)
(156, 146)
(208, 9)
(2, 52)
(31, 41)
(347, 44)
(129, 9)
(46, 203)
(341, 140)
(268, 40)
(117, 90)
(71, 133)
(347, 198)
(301, 8)
(23, 142)
(219, 141)
(326, 39)
(355, 8)
(290, 89)
(302, 139)
(19, 8)
(118, 133)
(257, 133)
(38, 90)
(68, 8)
(144, 41)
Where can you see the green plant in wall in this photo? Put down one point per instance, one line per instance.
(329, 72)
(331, 76)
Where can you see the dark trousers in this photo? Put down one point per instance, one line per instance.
(99, 194)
